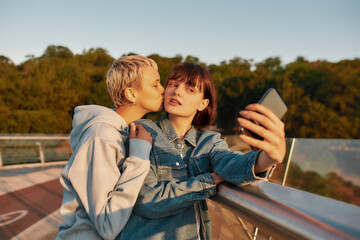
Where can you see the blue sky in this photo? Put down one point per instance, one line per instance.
(213, 31)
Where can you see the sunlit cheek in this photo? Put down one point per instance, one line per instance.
(166, 96)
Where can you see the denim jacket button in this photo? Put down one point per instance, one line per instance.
(177, 163)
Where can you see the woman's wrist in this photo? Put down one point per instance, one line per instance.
(263, 162)
(217, 178)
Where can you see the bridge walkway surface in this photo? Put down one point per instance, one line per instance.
(30, 199)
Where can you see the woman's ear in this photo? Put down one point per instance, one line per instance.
(204, 103)
(130, 95)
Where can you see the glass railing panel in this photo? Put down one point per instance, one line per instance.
(327, 167)
(19, 152)
(23, 149)
(57, 150)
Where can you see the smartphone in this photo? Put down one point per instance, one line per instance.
(272, 100)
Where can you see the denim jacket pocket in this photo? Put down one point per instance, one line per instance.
(202, 164)
(169, 165)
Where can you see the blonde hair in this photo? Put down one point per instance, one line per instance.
(126, 72)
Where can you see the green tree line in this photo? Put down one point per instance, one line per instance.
(40, 94)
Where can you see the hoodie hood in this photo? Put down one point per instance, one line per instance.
(88, 115)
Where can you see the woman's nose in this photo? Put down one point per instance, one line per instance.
(177, 91)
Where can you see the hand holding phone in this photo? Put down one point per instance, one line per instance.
(272, 100)
(267, 113)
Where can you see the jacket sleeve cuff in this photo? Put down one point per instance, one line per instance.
(139, 148)
(208, 183)
(263, 175)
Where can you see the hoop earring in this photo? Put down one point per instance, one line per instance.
(134, 103)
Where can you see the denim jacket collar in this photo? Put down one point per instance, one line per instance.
(168, 129)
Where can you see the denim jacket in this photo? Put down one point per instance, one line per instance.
(165, 206)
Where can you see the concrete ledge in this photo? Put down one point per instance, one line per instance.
(32, 165)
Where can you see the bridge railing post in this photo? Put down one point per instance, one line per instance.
(41, 152)
(1, 162)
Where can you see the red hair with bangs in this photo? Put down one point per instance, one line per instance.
(196, 75)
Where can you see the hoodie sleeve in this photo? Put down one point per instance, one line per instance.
(107, 195)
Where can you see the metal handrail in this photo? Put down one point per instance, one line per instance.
(287, 213)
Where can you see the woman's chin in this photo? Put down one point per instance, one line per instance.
(169, 109)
